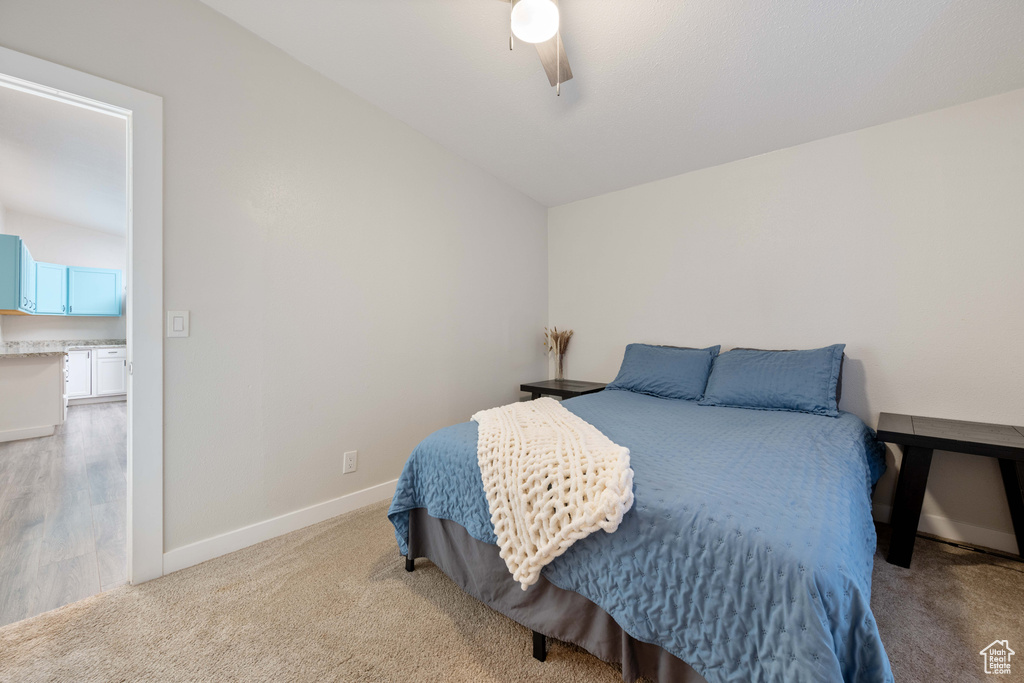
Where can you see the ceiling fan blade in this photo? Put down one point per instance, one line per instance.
(551, 53)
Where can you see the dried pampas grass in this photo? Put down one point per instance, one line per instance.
(557, 342)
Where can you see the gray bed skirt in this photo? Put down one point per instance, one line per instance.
(479, 570)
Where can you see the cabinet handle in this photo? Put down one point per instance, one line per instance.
(62, 307)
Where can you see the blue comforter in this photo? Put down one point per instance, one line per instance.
(748, 551)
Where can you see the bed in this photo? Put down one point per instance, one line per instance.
(747, 555)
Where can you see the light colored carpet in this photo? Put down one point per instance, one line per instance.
(333, 602)
(936, 617)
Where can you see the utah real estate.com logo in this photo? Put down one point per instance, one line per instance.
(997, 657)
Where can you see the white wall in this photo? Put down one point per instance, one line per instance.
(352, 284)
(904, 241)
(71, 245)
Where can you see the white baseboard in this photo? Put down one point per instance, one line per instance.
(207, 549)
(30, 433)
(953, 530)
(97, 399)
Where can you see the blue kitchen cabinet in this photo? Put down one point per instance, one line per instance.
(17, 276)
(94, 291)
(28, 281)
(51, 289)
(10, 273)
(28, 287)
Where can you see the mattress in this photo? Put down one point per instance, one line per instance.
(748, 551)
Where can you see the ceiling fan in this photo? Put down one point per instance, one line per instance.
(537, 22)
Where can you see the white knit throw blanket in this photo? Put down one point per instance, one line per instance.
(551, 479)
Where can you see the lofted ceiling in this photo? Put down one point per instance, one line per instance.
(62, 162)
(661, 87)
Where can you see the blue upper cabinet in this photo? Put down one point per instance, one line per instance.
(10, 273)
(51, 289)
(94, 291)
(27, 303)
(28, 287)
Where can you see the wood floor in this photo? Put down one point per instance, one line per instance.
(62, 512)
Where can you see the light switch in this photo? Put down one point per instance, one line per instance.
(177, 323)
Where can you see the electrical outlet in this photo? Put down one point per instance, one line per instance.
(351, 462)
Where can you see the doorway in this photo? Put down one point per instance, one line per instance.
(136, 422)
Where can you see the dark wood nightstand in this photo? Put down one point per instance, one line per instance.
(919, 436)
(562, 388)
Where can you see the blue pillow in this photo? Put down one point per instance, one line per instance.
(798, 381)
(666, 371)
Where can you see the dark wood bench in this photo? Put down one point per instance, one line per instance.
(562, 388)
(919, 437)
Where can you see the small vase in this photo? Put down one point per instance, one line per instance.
(559, 366)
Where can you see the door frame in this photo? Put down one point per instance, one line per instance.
(143, 114)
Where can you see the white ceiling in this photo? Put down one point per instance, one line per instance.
(661, 86)
(62, 162)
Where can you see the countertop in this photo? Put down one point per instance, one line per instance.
(36, 354)
(55, 347)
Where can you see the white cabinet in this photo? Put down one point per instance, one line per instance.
(79, 373)
(97, 374)
(111, 376)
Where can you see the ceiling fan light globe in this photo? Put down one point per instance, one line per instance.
(535, 21)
